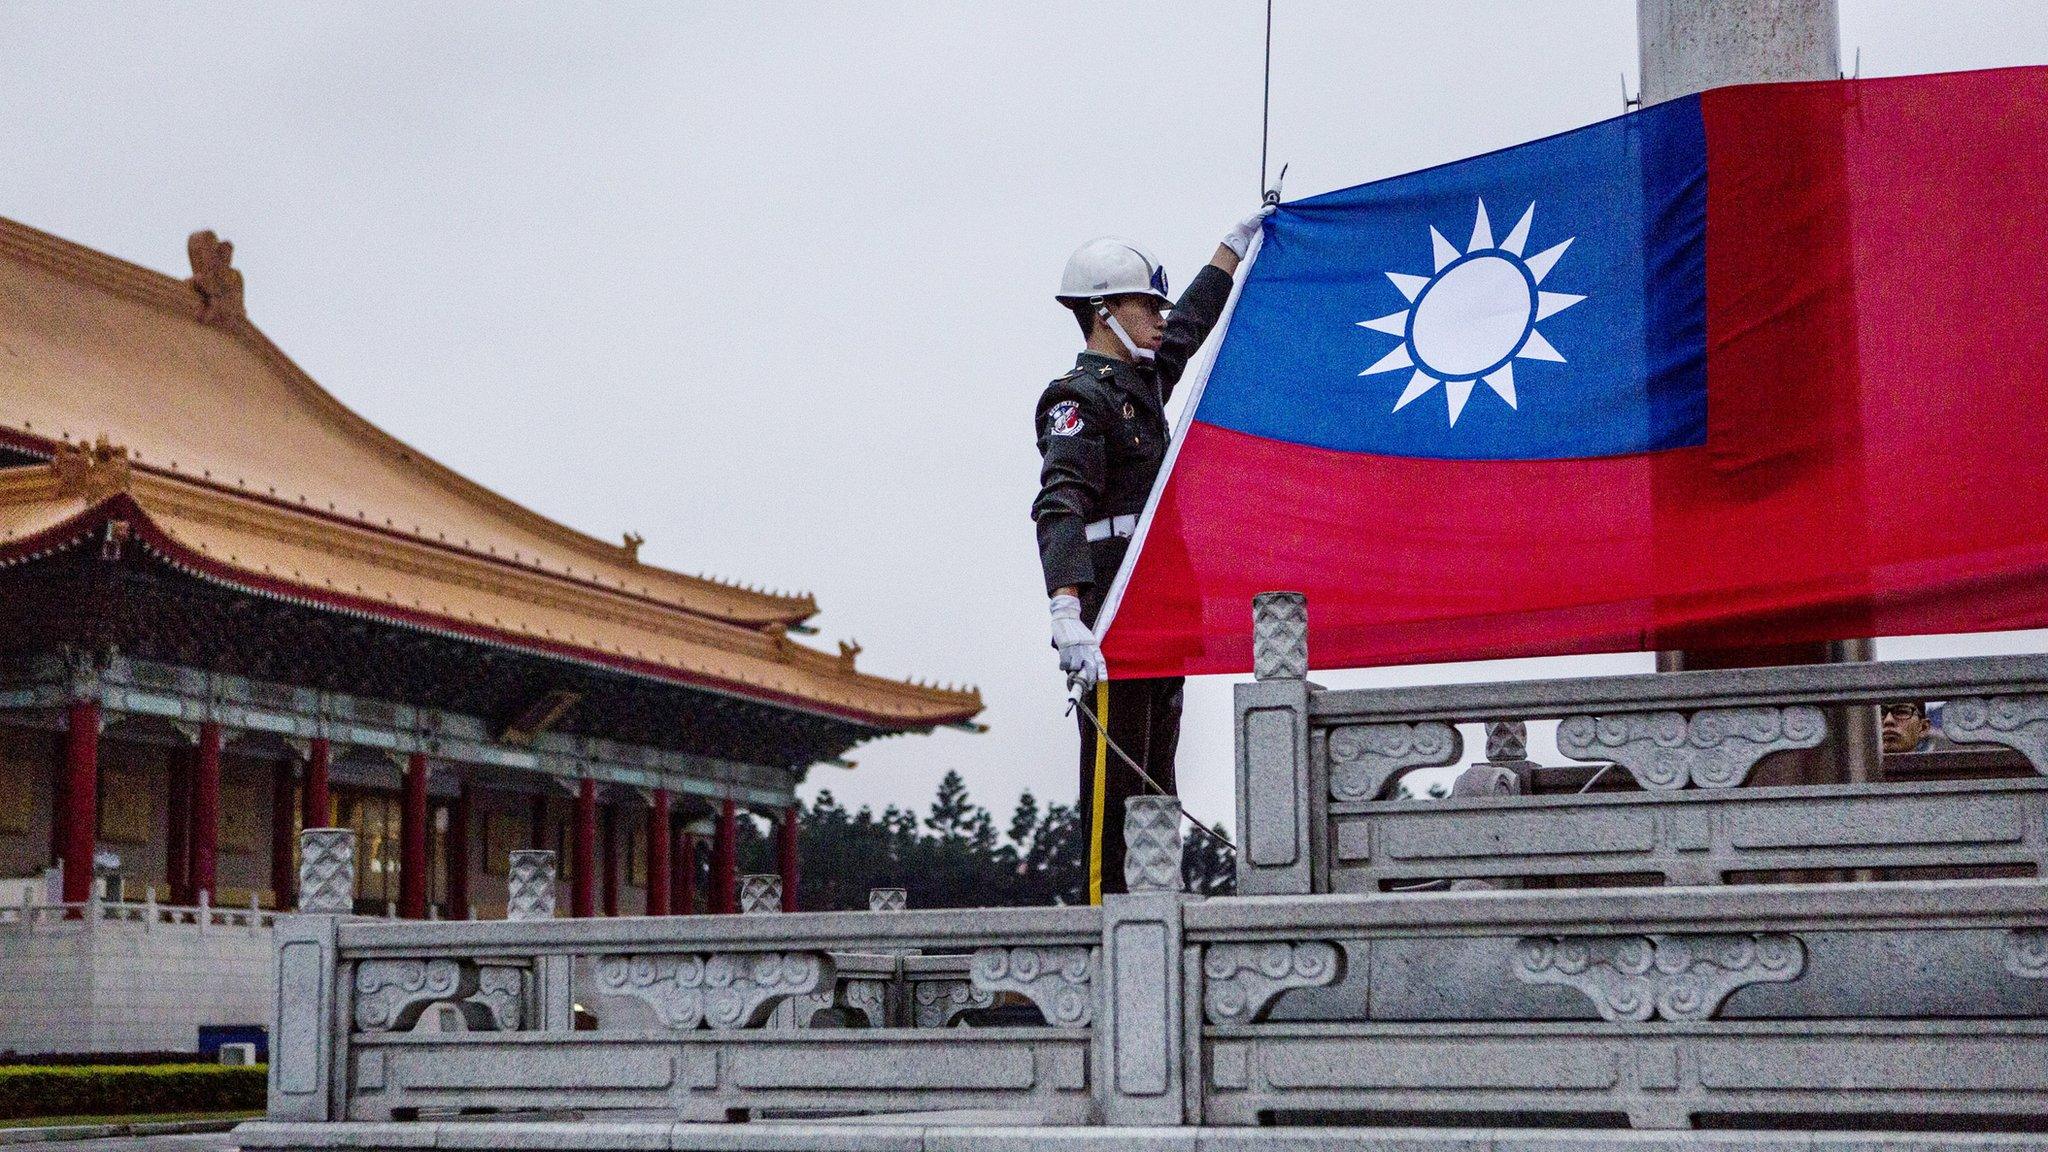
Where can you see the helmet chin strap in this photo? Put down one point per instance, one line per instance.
(1141, 355)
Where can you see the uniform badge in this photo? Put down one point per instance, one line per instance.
(1106, 372)
(1064, 419)
(1128, 410)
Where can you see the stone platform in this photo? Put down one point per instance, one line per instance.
(996, 1133)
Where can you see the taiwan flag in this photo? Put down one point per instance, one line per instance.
(1764, 365)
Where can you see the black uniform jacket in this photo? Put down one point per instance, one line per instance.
(1102, 434)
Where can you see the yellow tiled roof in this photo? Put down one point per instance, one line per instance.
(236, 460)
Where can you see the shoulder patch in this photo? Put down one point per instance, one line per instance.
(1064, 419)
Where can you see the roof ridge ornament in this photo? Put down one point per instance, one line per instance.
(630, 544)
(91, 473)
(217, 280)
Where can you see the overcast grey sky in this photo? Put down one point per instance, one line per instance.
(770, 283)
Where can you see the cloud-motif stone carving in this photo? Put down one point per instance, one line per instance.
(1676, 977)
(499, 1001)
(2026, 953)
(724, 990)
(391, 995)
(937, 1003)
(1367, 758)
(1059, 980)
(2018, 722)
(1714, 748)
(1243, 980)
(869, 999)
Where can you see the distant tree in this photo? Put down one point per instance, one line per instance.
(1208, 864)
(957, 857)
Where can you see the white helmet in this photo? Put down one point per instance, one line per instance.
(1107, 266)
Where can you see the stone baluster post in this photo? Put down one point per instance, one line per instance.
(1282, 798)
(1141, 1025)
(530, 895)
(302, 1063)
(530, 885)
(888, 899)
(760, 893)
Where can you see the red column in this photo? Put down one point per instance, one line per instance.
(178, 833)
(81, 798)
(725, 863)
(455, 852)
(59, 795)
(785, 855)
(583, 851)
(608, 833)
(317, 808)
(657, 855)
(206, 812)
(284, 873)
(412, 841)
(683, 875)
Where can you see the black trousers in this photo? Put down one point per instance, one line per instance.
(1143, 718)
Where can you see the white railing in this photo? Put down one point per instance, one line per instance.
(147, 914)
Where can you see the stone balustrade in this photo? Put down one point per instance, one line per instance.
(1318, 774)
(1698, 996)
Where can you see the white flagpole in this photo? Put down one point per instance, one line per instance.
(1194, 380)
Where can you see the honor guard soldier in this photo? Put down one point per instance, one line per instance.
(1102, 435)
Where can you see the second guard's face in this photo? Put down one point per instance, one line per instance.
(1904, 728)
(1144, 317)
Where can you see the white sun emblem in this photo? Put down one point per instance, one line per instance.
(1472, 317)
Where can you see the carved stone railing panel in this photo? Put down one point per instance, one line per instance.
(1367, 758)
(327, 871)
(888, 899)
(1714, 748)
(2018, 722)
(723, 990)
(391, 995)
(1152, 845)
(1243, 980)
(1280, 636)
(2026, 953)
(1676, 977)
(937, 1003)
(1059, 980)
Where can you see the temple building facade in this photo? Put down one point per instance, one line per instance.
(231, 608)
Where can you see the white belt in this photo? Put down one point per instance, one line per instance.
(1109, 526)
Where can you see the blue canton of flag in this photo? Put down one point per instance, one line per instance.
(1542, 302)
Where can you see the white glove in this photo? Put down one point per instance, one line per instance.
(1239, 239)
(1080, 655)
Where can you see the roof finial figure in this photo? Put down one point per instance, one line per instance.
(219, 282)
(633, 541)
(91, 473)
(848, 651)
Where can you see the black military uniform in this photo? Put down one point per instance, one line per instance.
(1103, 436)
